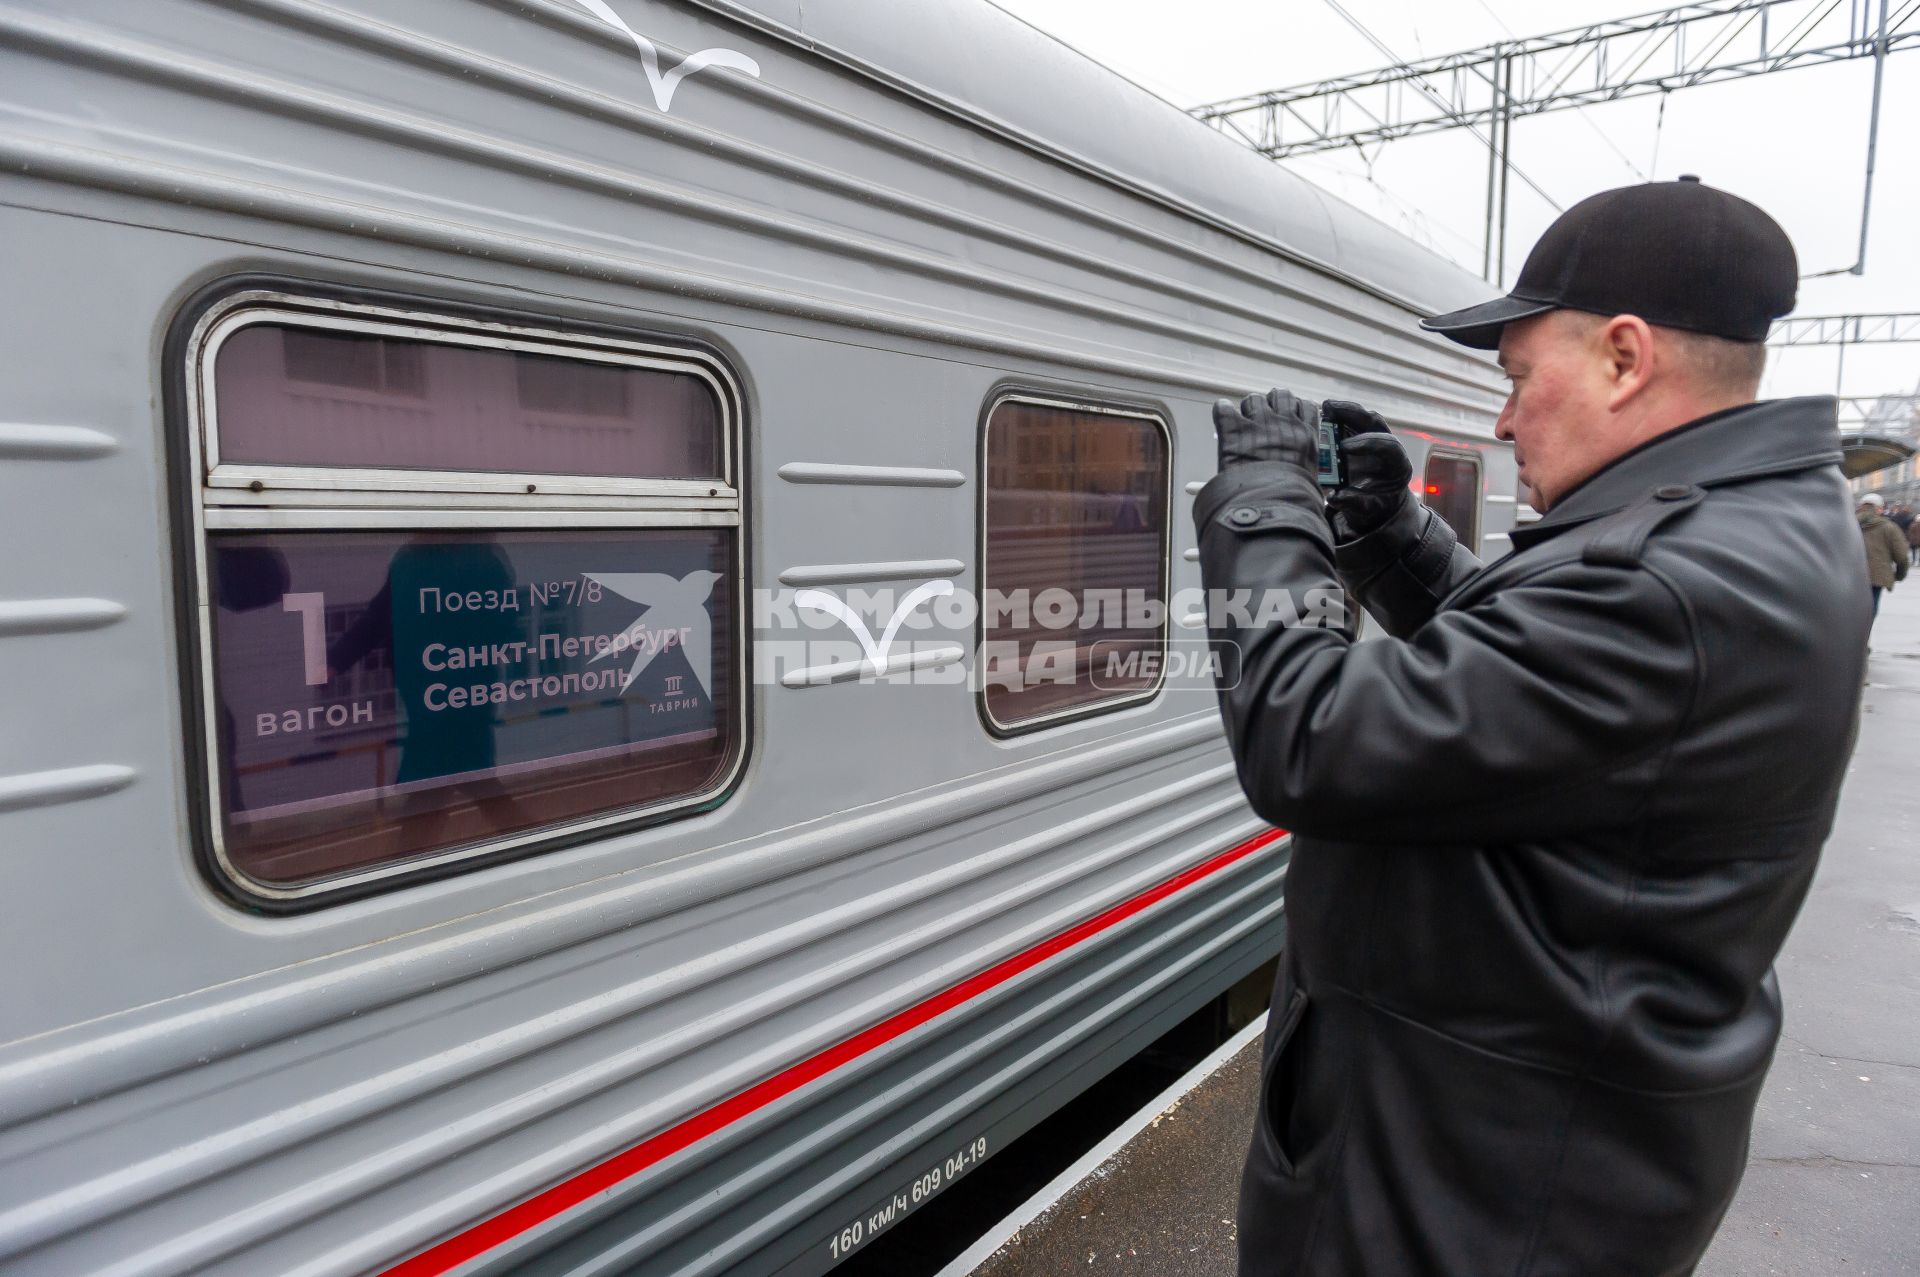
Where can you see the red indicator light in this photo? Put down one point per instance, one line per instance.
(1433, 487)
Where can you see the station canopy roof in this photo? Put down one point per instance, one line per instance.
(1862, 454)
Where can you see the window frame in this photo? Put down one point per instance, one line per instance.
(1072, 403)
(216, 497)
(1440, 452)
(296, 484)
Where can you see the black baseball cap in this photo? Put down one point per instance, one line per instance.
(1677, 254)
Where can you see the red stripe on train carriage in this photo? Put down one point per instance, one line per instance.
(537, 1210)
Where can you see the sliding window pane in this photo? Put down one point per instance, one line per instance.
(1076, 537)
(1451, 489)
(293, 396)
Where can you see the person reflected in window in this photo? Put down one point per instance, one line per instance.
(445, 749)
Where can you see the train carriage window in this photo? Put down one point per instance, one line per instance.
(465, 589)
(1451, 489)
(288, 396)
(1074, 564)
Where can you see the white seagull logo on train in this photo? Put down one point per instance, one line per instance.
(674, 604)
(664, 84)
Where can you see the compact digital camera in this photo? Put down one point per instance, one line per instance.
(1329, 454)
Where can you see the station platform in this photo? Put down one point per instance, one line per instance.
(1834, 1170)
(1833, 1180)
(1155, 1198)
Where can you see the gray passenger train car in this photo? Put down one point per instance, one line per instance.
(463, 807)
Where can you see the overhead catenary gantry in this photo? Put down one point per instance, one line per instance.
(1675, 48)
(1846, 330)
(1841, 331)
(1892, 412)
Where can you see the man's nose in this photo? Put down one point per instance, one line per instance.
(1503, 428)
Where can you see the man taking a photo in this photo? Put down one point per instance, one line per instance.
(1552, 830)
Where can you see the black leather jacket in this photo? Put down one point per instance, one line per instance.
(1550, 834)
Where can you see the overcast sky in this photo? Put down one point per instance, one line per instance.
(1793, 142)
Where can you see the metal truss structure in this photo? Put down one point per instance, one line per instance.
(1658, 52)
(1896, 416)
(1846, 330)
(1675, 48)
(1842, 331)
(1896, 409)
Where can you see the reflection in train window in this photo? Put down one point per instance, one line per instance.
(1451, 489)
(1074, 560)
(347, 359)
(408, 661)
(406, 721)
(290, 396)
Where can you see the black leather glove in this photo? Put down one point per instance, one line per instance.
(1271, 427)
(1375, 466)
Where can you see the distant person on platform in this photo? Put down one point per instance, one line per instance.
(1903, 517)
(1887, 550)
(1913, 540)
(1551, 830)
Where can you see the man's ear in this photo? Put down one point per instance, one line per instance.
(1626, 345)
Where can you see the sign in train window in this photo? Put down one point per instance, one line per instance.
(1074, 563)
(464, 590)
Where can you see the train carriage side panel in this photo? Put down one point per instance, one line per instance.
(897, 935)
